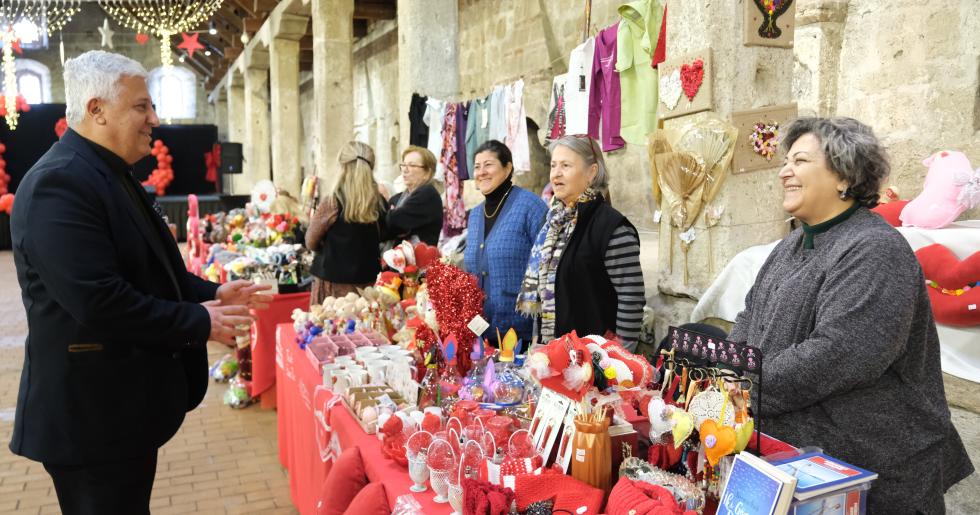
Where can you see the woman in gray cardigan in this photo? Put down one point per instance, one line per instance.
(842, 316)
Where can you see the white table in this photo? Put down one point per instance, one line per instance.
(959, 347)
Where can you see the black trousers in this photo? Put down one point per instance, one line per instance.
(105, 489)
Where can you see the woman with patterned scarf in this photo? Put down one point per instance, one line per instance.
(584, 270)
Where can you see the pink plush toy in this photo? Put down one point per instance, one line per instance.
(948, 191)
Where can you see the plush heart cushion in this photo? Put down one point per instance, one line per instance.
(371, 500)
(346, 479)
(891, 211)
(941, 266)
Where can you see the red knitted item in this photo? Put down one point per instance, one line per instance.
(569, 493)
(482, 498)
(638, 498)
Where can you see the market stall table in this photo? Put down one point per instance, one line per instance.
(263, 333)
(304, 442)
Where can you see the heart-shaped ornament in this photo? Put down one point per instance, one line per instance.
(718, 440)
(691, 77)
(708, 405)
(683, 424)
(142, 38)
(670, 89)
(425, 255)
(743, 432)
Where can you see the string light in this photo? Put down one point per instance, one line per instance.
(51, 14)
(162, 18)
(9, 79)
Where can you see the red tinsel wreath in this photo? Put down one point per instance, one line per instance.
(456, 298)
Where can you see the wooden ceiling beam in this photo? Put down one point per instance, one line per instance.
(375, 10)
(252, 25)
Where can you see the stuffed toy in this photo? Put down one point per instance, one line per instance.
(952, 285)
(951, 187)
(891, 211)
(388, 284)
(564, 365)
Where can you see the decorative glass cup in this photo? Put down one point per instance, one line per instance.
(439, 479)
(456, 498)
(418, 471)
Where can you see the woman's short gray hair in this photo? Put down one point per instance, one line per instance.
(95, 74)
(591, 152)
(852, 150)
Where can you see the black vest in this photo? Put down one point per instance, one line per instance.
(585, 300)
(350, 252)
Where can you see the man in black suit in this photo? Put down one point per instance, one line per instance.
(117, 328)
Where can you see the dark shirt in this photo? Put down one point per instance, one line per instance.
(136, 194)
(491, 209)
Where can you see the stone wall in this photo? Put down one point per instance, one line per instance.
(376, 97)
(911, 70)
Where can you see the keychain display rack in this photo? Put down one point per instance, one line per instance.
(701, 349)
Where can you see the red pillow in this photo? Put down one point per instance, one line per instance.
(372, 499)
(346, 479)
(890, 211)
(957, 306)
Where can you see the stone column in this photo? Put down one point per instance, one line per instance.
(817, 48)
(256, 146)
(744, 77)
(428, 55)
(287, 29)
(333, 88)
(236, 184)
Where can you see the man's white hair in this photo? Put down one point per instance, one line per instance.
(95, 74)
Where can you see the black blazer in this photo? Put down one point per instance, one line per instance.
(420, 215)
(115, 352)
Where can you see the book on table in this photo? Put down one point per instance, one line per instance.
(756, 487)
(818, 474)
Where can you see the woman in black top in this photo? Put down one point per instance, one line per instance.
(416, 212)
(346, 230)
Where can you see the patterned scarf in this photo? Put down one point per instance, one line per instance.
(537, 296)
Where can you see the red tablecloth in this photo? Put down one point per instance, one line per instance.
(302, 440)
(264, 337)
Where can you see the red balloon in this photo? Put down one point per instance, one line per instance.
(158, 143)
(3, 148)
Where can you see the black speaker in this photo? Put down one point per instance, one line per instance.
(231, 157)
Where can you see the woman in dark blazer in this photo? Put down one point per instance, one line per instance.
(501, 232)
(416, 212)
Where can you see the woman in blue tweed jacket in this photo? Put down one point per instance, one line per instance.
(501, 232)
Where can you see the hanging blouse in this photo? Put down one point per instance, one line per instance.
(435, 113)
(577, 84)
(498, 114)
(454, 214)
(556, 108)
(604, 95)
(517, 127)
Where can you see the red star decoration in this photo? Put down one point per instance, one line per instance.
(190, 43)
(16, 46)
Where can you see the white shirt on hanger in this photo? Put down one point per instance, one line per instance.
(434, 114)
(577, 85)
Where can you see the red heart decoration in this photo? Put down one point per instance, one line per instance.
(425, 255)
(941, 266)
(142, 38)
(691, 77)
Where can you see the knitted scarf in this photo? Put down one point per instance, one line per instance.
(537, 296)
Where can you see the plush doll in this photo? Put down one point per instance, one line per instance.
(951, 187)
(564, 365)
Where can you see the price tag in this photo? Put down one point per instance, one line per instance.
(484, 117)
(580, 455)
(656, 216)
(478, 325)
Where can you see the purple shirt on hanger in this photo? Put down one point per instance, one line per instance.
(462, 163)
(604, 97)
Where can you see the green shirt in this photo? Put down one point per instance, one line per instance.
(635, 44)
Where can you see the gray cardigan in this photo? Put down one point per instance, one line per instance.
(851, 359)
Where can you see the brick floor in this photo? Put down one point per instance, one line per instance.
(199, 470)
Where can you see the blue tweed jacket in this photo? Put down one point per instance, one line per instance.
(499, 262)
